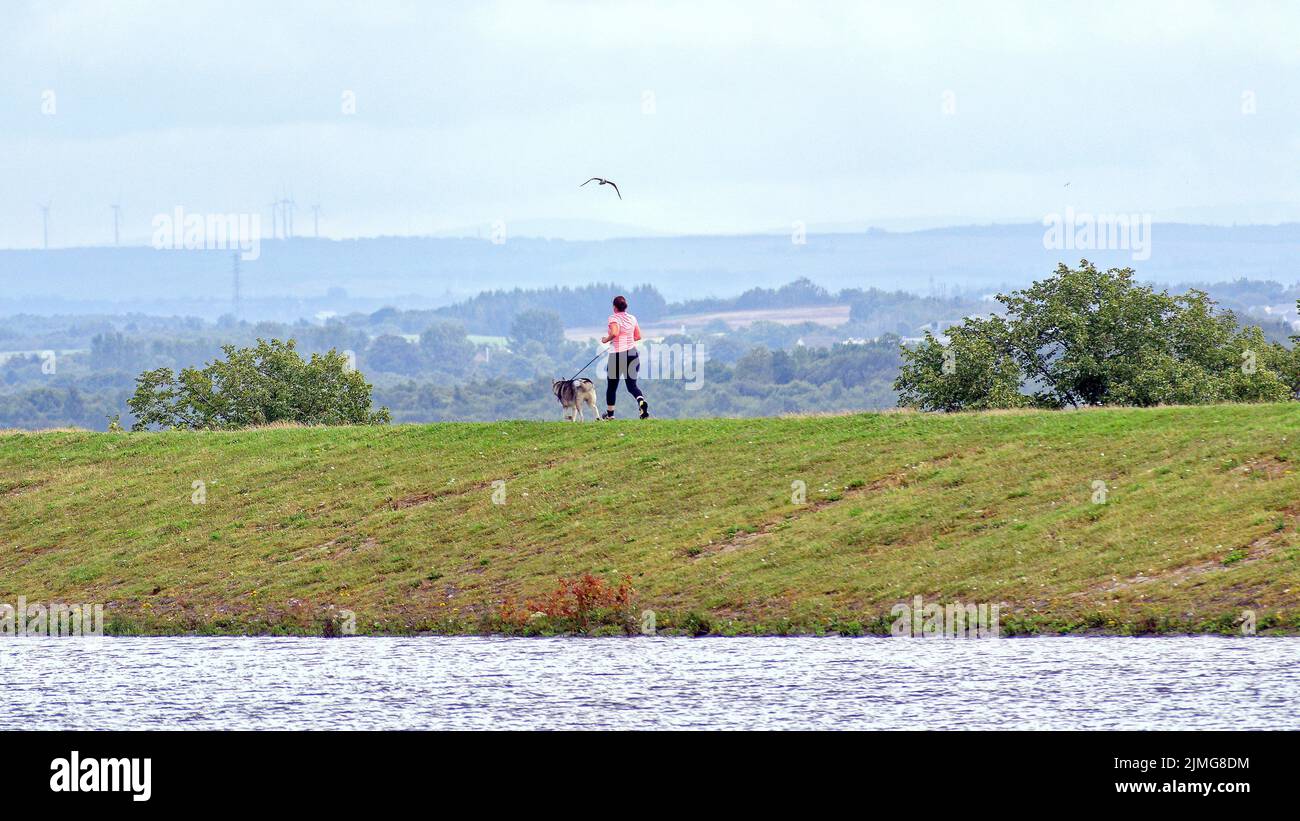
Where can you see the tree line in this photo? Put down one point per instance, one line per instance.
(1087, 337)
(1081, 337)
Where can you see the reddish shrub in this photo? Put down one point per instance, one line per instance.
(578, 603)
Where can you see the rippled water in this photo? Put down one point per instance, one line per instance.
(771, 683)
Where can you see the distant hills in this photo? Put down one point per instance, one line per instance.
(300, 277)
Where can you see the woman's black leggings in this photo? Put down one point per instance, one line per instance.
(621, 366)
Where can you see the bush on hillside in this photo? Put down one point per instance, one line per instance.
(256, 386)
(575, 605)
(1085, 337)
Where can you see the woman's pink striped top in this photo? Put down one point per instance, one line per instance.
(626, 324)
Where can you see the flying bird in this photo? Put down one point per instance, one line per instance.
(605, 182)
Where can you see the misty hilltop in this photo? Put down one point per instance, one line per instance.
(430, 271)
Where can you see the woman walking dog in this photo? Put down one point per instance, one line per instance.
(624, 333)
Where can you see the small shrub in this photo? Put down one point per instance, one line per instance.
(696, 624)
(578, 605)
(1235, 555)
(848, 628)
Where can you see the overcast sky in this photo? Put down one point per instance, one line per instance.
(711, 116)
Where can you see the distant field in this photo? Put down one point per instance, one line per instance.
(1199, 520)
(829, 315)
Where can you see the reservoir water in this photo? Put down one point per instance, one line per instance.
(650, 683)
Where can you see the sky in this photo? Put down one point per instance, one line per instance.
(712, 117)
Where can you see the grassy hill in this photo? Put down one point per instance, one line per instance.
(399, 525)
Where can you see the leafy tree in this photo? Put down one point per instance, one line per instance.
(974, 371)
(387, 314)
(446, 345)
(393, 354)
(755, 367)
(783, 368)
(1091, 337)
(492, 312)
(1263, 372)
(537, 326)
(256, 386)
(113, 351)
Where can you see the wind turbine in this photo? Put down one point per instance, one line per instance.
(45, 222)
(288, 216)
(315, 218)
(275, 213)
(117, 209)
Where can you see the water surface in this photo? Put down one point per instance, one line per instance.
(645, 683)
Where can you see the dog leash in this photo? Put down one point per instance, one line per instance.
(588, 365)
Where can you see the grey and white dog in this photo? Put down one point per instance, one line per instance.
(573, 394)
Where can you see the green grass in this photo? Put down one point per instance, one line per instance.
(398, 523)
